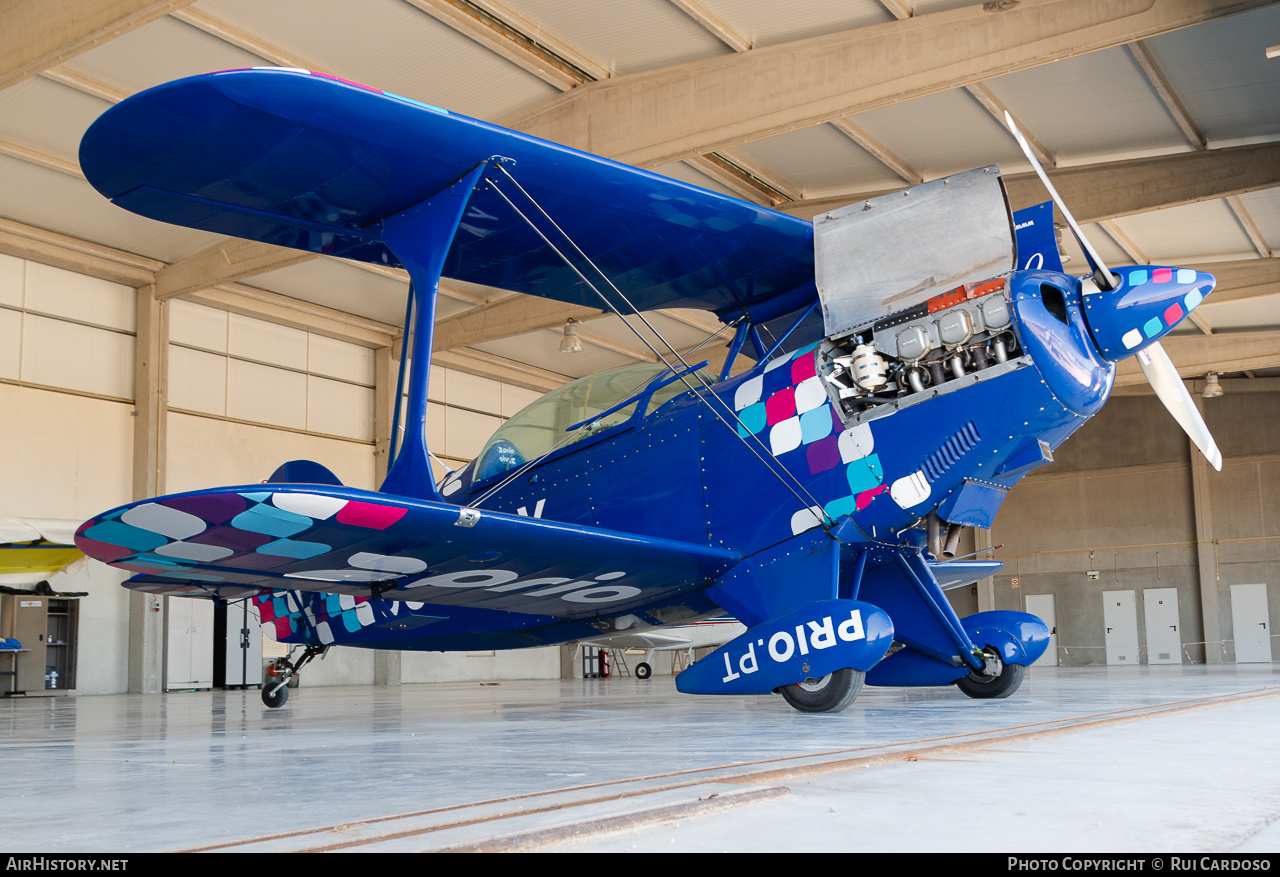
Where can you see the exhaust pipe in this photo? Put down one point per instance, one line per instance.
(953, 541)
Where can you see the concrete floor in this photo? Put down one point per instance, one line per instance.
(1154, 769)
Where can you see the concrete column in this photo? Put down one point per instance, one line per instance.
(1206, 552)
(982, 542)
(386, 664)
(151, 392)
(386, 667)
(385, 366)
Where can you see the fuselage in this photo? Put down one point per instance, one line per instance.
(692, 470)
(747, 473)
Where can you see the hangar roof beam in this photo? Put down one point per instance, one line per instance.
(1119, 188)
(665, 115)
(39, 35)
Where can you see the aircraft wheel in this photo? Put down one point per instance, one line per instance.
(830, 694)
(1003, 684)
(643, 670)
(275, 698)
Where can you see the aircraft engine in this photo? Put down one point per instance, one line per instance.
(955, 335)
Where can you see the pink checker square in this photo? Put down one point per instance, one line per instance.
(1162, 275)
(1173, 313)
(780, 406)
(804, 367)
(366, 514)
(864, 498)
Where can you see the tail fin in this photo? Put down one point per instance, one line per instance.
(303, 472)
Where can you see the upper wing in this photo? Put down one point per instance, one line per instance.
(305, 160)
(347, 541)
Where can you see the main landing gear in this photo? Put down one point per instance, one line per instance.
(276, 692)
(997, 678)
(829, 694)
(643, 670)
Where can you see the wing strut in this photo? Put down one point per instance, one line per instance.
(790, 482)
(420, 237)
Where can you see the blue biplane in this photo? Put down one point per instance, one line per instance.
(907, 373)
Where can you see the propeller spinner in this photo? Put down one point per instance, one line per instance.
(1128, 312)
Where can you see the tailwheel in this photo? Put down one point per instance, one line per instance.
(275, 696)
(276, 692)
(643, 670)
(997, 680)
(829, 694)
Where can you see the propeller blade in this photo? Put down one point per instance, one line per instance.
(1164, 379)
(1101, 273)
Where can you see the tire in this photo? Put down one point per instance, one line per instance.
(275, 698)
(643, 670)
(987, 687)
(830, 694)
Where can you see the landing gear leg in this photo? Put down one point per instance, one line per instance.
(276, 692)
(830, 694)
(998, 679)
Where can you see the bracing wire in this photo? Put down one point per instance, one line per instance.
(802, 494)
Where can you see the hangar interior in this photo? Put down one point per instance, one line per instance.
(138, 358)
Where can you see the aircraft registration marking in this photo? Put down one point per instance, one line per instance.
(821, 635)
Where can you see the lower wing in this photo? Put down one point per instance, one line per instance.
(241, 540)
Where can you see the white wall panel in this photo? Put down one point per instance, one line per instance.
(74, 357)
(10, 344)
(471, 391)
(436, 383)
(340, 359)
(338, 408)
(514, 399)
(207, 452)
(539, 663)
(197, 380)
(11, 280)
(198, 325)
(436, 415)
(70, 454)
(64, 293)
(264, 394)
(465, 432)
(266, 342)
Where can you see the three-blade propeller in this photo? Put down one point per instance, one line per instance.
(1155, 363)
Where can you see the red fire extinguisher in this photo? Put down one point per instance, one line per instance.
(604, 663)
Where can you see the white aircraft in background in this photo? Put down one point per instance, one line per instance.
(684, 638)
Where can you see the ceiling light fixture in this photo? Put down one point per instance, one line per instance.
(1212, 389)
(571, 342)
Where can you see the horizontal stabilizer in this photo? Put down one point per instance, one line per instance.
(641, 641)
(163, 587)
(347, 541)
(958, 573)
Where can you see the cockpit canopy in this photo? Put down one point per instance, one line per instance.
(542, 426)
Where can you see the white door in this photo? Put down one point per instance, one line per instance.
(1120, 618)
(1042, 606)
(1160, 609)
(189, 644)
(1251, 624)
